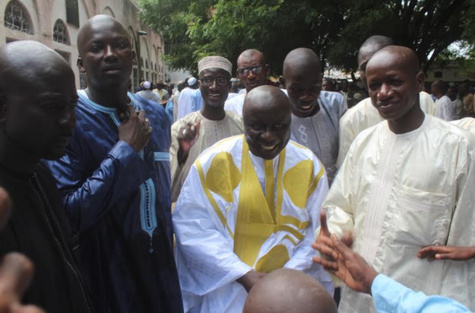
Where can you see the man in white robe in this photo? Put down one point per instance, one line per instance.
(249, 206)
(405, 184)
(315, 113)
(252, 71)
(364, 114)
(199, 130)
(190, 98)
(444, 108)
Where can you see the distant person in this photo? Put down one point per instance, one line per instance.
(467, 99)
(252, 71)
(161, 90)
(444, 108)
(37, 101)
(147, 92)
(328, 84)
(288, 291)
(190, 99)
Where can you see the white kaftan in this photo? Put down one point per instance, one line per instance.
(445, 109)
(363, 116)
(237, 212)
(399, 193)
(319, 133)
(210, 133)
(235, 104)
(467, 123)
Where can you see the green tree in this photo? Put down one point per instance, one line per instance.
(193, 29)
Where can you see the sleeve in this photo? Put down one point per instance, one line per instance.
(302, 258)
(338, 203)
(87, 196)
(205, 257)
(175, 168)
(391, 297)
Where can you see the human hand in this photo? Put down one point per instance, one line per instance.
(187, 136)
(447, 253)
(250, 278)
(345, 264)
(135, 129)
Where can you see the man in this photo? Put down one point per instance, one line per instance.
(388, 295)
(394, 200)
(37, 100)
(248, 207)
(288, 291)
(364, 115)
(115, 180)
(315, 113)
(161, 91)
(199, 130)
(452, 93)
(190, 99)
(147, 93)
(467, 99)
(328, 84)
(444, 108)
(252, 71)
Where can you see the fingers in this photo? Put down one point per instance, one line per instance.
(190, 131)
(323, 224)
(5, 206)
(431, 251)
(327, 264)
(347, 239)
(325, 250)
(16, 272)
(341, 247)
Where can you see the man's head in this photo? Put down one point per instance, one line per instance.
(303, 79)
(105, 52)
(192, 83)
(394, 81)
(37, 100)
(328, 84)
(266, 118)
(367, 49)
(452, 92)
(215, 80)
(160, 85)
(288, 291)
(252, 69)
(438, 88)
(464, 88)
(146, 85)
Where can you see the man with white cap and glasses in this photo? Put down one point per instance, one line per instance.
(199, 130)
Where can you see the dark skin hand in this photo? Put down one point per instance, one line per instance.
(249, 279)
(345, 264)
(447, 253)
(135, 128)
(187, 136)
(325, 233)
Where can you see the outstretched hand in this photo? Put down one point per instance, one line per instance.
(187, 136)
(447, 253)
(345, 264)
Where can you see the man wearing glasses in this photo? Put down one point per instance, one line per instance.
(199, 130)
(252, 71)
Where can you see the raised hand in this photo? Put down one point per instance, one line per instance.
(447, 253)
(135, 128)
(187, 136)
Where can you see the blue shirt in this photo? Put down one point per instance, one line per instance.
(118, 200)
(392, 297)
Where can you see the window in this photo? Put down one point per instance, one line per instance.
(17, 17)
(60, 33)
(72, 12)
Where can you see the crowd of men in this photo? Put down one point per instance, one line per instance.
(279, 194)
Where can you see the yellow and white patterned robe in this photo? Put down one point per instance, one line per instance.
(238, 212)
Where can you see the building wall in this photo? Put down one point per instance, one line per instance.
(41, 16)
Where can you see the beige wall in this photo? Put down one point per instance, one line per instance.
(44, 13)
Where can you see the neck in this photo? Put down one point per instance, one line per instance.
(111, 97)
(412, 120)
(213, 113)
(14, 158)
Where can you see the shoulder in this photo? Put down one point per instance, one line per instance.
(234, 118)
(358, 111)
(189, 118)
(444, 131)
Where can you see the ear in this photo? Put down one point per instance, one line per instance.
(267, 69)
(420, 78)
(80, 65)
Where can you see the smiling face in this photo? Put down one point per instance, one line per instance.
(214, 87)
(39, 119)
(266, 118)
(303, 81)
(394, 82)
(106, 52)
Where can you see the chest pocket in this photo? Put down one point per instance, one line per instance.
(422, 218)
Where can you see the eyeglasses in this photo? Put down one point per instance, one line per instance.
(208, 81)
(245, 70)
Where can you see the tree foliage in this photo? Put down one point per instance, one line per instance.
(193, 29)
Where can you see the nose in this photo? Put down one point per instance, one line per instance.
(109, 53)
(384, 91)
(68, 119)
(268, 135)
(214, 84)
